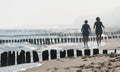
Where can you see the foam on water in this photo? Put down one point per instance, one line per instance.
(30, 47)
(18, 46)
(64, 46)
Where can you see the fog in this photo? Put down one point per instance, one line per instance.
(57, 14)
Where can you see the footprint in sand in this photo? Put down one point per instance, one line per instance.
(55, 68)
(67, 68)
(48, 69)
(85, 60)
(79, 71)
(82, 66)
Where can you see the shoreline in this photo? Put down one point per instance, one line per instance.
(93, 63)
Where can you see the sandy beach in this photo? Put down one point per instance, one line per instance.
(111, 44)
(96, 63)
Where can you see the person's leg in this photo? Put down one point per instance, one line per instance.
(97, 38)
(84, 40)
(87, 39)
(100, 38)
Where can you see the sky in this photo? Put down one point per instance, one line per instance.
(57, 14)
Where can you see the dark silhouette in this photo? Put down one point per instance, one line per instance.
(70, 52)
(21, 57)
(87, 52)
(85, 32)
(11, 58)
(98, 30)
(79, 52)
(4, 59)
(35, 56)
(28, 57)
(53, 54)
(62, 54)
(45, 55)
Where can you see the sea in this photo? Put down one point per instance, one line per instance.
(23, 34)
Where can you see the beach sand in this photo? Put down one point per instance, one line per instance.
(111, 44)
(96, 63)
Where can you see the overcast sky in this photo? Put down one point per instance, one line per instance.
(47, 14)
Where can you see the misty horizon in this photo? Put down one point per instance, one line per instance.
(68, 14)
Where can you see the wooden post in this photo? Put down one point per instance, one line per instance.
(62, 54)
(4, 59)
(70, 53)
(79, 52)
(87, 52)
(105, 52)
(95, 51)
(45, 55)
(53, 54)
(28, 57)
(35, 56)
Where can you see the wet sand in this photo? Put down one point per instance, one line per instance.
(96, 63)
(111, 44)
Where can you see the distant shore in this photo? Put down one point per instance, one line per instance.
(104, 63)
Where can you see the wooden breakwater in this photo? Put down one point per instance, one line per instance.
(20, 57)
(14, 58)
(53, 40)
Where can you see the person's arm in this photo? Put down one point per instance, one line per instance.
(89, 29)
(82, 29)
(102, 25)
(94, 25)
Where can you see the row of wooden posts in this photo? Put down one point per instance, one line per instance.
(42, 41)
(13, 58)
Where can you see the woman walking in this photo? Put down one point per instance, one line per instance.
(85, 32)
(98, 30)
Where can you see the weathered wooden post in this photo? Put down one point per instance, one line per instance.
(11, 58)
(21, 57)
(61, 40)
(38, 41)
(0, 41)
(105, 52)
(87, 52)
(4, 59)
(28, 57)
(76, 40)
(109, 37)
(62, 54)
(35, 56)
(95, 51)
(65, 40)
(53, 54)
(73, 40)
(31, 41)
(68, 40)
(47, 41)
(58, 40)
(70, 53)
(45, 55)
(79, 52)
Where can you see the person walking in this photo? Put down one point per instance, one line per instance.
(98, 30)
(85, 32)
